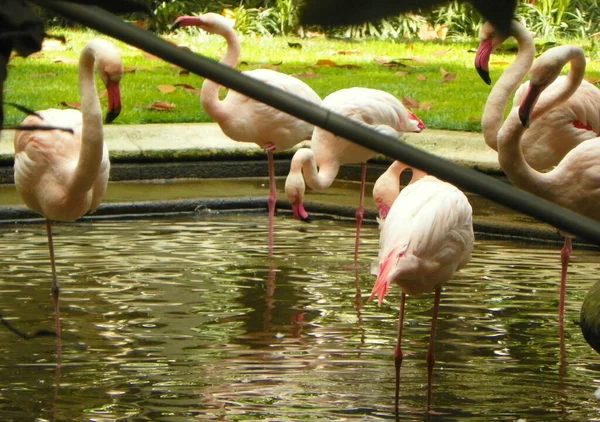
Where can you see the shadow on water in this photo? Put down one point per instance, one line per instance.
(180, 319)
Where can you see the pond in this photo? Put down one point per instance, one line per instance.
(186, 319)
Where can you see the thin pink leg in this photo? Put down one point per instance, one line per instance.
(565, 254)
(361, 209)
(272, 197)
(398, 351)
(55, 288)
(430, 350)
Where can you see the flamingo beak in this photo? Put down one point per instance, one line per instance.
(114, 101)
(420, 124)
(183, 21)
(299, 212)
(526, 107)
(482, 60)
(383, 211)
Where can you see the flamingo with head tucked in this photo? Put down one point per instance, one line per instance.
(553, 132)
(319, 165)
(387, 186)
(575, 182)
(63, 175)
(426, 236)
(246, 120)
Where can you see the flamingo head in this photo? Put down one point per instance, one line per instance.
(110, 69)
(490, 39)
(210, 22)
(295, 188)
(414, 123)
(544, 71)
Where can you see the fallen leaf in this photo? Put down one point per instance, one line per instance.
(141, 24)
(307, 75)
(440, 52)
(65, 60)
(410, 102)
(443, 72)
(401, 73)
(186, 86)
(43, 75)
(294, 45)
(70, 105)
(390, 63)
(129, 69)
(348, 52)
(330, 63)
(427, 106)
(349, 66)
(166, 89)
(184, 72)
(161, 106)
(448, 77)
(189, 88)
(421, 77)
(149, 56)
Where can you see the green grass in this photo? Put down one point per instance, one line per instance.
(39, 82)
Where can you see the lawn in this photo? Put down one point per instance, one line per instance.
(436, 79)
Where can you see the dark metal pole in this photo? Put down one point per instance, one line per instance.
(466, 179)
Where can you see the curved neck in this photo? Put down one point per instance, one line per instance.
(513, 163)
(493, 113)
(566, 87)
(209, 93)
(316, 179)
(92, 135)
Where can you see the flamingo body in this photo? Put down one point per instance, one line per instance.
(426, 237)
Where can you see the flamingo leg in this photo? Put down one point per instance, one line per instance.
(55, 287)
(272, 201)
(430, 350)
(398, 351)
(360, 212)
(565, 254)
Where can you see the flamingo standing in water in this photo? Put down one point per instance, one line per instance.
(63, 175)
(553, 133)
(426, 237)
(574, 182)
(246, 120)
(321, 163)
(387, 187)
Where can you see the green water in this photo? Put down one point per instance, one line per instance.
(186, 320)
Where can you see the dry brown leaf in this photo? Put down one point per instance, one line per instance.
(427, 106)
(330, 63)
(348, 52)
(190, 88)
(390, 63)
(43, 75)
(349, 66)
(161, 106)
(166, 89)
(186, 86)
(401, 73)
(70, 105)
(184, 72)
(421, 77)
(443, 72)
(410, 102)
(65, 60)
(593, 80)
(307, 75)
(149, 56)
(428, 32)
(448, 77)
(440, 52)
(129, 69)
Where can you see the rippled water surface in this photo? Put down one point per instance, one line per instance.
(186, 319)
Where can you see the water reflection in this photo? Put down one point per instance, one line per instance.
(171, 320)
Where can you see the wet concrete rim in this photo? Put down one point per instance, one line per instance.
(13, 215)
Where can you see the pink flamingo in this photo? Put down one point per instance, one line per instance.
(387, 187)
(553, 133)
(62, 175)
(573, 183)
(371, 107)
(426, 237)
(246, 120)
